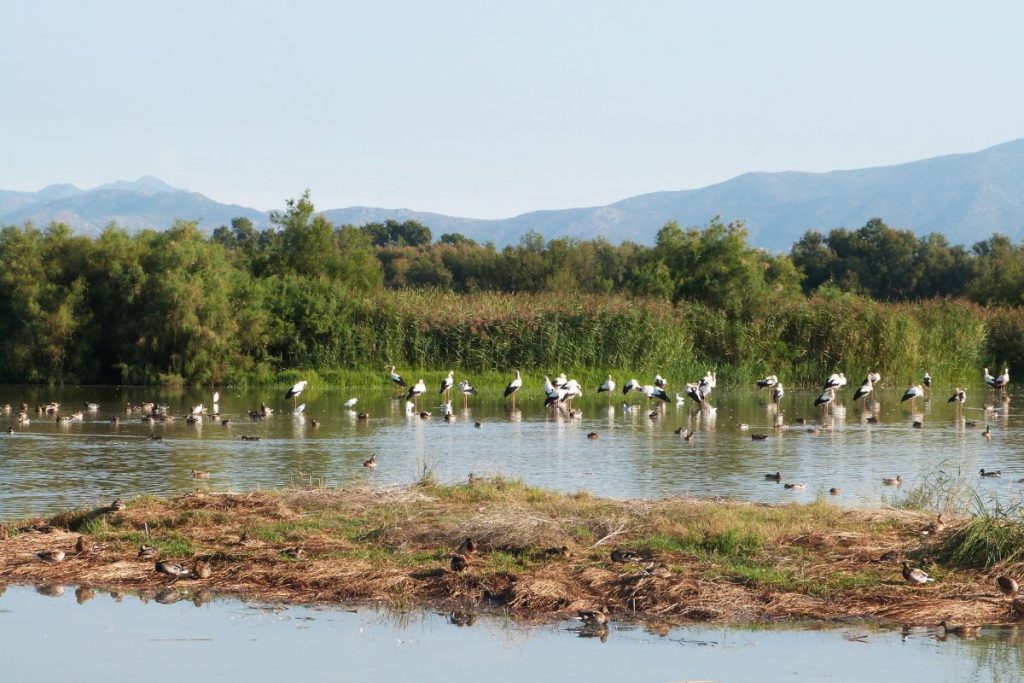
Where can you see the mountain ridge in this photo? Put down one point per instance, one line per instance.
(966, 196)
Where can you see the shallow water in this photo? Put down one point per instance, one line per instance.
(54, 638)
(45, 466)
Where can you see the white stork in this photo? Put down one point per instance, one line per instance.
(835, 381)
(351, 403)
(630, 386)
(777, 392)
(653, 392)
(959, 397)
(609, 387)
(514, 386)
(467, 390)
(397, 379)
(864, 390)
(693, 391)
(560, 381)
(927, 380)
(1002, 381)
(826, 398)
(446, 384)
(415, 391)
(912, 392)
(296, 389)
(660, 382)
(768, 381)
(199, 409)
(572, 389)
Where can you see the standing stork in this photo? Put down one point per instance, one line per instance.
(864, 390)
(768, 381)
(294, 392)
(835, 381)
(571, 390)
(630, 386)
(609, 387)
(446, 384)
(1000, 383)
(875, 378)
(927, 380)
(514, 386)
(659, 381)
(777, 393)
(560, 381)
(414, 392)
(959, 398)
(826, 398)
(467, 390)
(397, 379)
(911, 394)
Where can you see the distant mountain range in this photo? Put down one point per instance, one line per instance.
(965, 196)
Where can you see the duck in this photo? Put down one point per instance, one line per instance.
(987, 434)
(201, 569)
(795, 485)
(934, 527)
(172, 569)
(758, 437)
(371, 462)
(363, 416)
(892, 481)
(593, 435)
(914, 575)
(1007, 586)
(774, 477)
(81, 547)
(148, 552)
(620, 555)
(295, 553)
(658, 570)
(589, 616)
(990, 473)
(962, 630)
(459, 563)
(742, 426)
(834, 491)
(467, 547)
(200, 474)
(478, 424)
(250, 438)
(557, 552)
(117, 505)
(51, 555)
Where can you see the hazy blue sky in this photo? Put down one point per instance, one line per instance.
(489, 109)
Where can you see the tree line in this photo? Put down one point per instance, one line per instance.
(179, 305)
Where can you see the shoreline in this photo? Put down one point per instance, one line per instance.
(686, 560)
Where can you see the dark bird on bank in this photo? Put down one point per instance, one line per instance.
(620, 555)
(459, 563)
(117, 505)
(1007, 586)
(467, 547)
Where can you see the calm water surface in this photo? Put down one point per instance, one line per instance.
(231, 640)
(45, 466)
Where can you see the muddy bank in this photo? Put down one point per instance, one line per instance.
(541, 555)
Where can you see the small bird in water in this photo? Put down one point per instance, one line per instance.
(200, 474)
(588, 616)
(892, 481)
(962, 630)
(795, 485)
(834, 491)
(990, 473)
(987, 434)
(250, 438)
(593, 435)
(914, 575)
(371, 462)
(51, 555)
(758, 437)
(774, 477)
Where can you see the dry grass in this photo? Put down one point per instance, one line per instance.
(729, 561)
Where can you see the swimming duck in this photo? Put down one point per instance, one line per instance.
(225, 422)
(743, 426)
(914, 575)
(758, 437)
(589, 616)
(424, 414)
(467, 547)
(990, 473)
(148, 552)
(371, 462)
(200, 474)
(51, 555)
(459, 563)
(478, 424)
(250, 438)
(363, 417)
(962, 630)
(834, 491)
(795, 485)
(892, 481)
(987, 434)
(117, 505)
(1007, 586)
(593, 435)
(774, 477)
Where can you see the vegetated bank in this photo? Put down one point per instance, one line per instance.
(540, 555)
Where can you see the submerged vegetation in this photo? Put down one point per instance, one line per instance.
(536, 553)
(245, 306)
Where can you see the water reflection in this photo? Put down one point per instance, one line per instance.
(229, 639)
(46, 465)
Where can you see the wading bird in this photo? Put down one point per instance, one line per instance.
(446, 384)
(351, 403)
(835, 381)
(864, 390)
(911, 395)
(294, 392)
(768, 381)
(467, 390)
(609, 387)
(826, 398)
(414, 392)
(777, 393)
(959, 397)
(630, 386)
(397, 379)
(514, 386)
